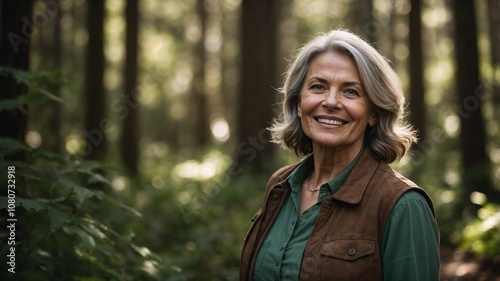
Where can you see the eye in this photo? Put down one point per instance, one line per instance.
(317, 87)
(351, 92)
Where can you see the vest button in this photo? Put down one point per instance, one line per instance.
(351, 252)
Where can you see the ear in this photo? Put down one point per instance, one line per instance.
(299, 111)
(372, 120)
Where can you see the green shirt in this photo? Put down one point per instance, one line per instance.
(411, 224)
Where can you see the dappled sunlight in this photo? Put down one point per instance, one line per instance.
(451, 125)
(460, 268)
(439, 71)
(189, 191)
(211, 164)
(436, 17)
(74, 143)
(33, 139)
(452, 177)
(447, 196)
(220, 129)
(478, 198)
(401, 51)
(119, 183)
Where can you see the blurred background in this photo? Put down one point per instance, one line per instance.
(137, 128)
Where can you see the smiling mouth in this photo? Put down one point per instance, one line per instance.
(330, 121)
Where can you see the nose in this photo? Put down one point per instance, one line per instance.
(331, 99)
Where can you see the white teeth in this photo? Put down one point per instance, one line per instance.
(330, 122)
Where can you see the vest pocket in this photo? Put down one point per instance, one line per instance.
(348, 249)
(348, 259)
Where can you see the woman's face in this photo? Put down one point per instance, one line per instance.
(334, 108)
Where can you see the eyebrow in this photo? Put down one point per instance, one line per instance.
(344, 84)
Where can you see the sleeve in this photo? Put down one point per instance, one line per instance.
(410, 247)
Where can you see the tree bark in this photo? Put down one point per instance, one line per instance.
(257, 94)
(95, 120)
(130, 129)
(16, 31)
(476, 165)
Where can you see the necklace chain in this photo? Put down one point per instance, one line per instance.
(309, 184)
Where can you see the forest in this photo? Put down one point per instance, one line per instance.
(134, 141)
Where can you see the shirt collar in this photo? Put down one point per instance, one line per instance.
(303, 170)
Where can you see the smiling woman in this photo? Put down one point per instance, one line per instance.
(333, 107)
(342, 213)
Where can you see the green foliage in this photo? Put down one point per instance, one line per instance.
(37, 80)
(65, 226)
(72, 225)
(482, 235)
(197, 225)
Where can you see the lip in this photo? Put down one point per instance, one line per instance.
(333, 119)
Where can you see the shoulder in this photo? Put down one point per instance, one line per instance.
(410, 194)
(389, 174)
(281, 174)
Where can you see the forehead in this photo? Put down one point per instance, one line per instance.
(333, 64)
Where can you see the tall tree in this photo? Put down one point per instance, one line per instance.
(199, 97)
(417, 91)
(16, 28)
(494, 24)
(50, 60)
(130, 129)
(94, 107)
(364, 20)
(257, 94)
(476, 165)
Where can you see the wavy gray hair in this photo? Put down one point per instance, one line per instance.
(390, 138)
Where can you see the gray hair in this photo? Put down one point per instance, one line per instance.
(390, 138)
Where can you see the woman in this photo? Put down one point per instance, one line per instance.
(342, 213)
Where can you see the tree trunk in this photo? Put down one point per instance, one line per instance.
(95, 121)
(201, 120)
(130, 129)
(16, 31)
(417, 91)
(494, 24)
(364, 21)
(257, 92)
(50, 60)
(476, 175)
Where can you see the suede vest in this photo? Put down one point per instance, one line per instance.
(346, 239)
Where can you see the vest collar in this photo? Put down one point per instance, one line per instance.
(356, 183)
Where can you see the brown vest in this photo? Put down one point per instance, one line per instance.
(346, 239)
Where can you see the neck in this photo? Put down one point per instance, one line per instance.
(330, 162)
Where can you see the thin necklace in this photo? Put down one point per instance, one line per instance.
(309, 184)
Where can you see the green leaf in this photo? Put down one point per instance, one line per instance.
(10, 145)
(39, 96)
(87, 240)
(94, 231)
(49, 155)
(12, 104)
(97, 178)
(21, 76)
(57, 218)
(82, 193)
(32, 205)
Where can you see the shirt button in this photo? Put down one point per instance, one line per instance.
(351, 252)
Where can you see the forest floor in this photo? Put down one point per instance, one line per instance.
(457, 265)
